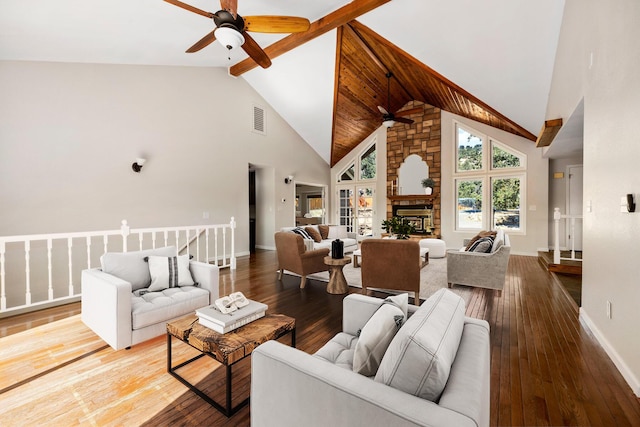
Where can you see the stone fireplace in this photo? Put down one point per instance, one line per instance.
(422, 138)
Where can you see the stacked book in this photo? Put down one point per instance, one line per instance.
(213, 318)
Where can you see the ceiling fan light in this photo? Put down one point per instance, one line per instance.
(229, 37)
(389, 123)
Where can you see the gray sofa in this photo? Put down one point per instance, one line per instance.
(335, 231)
(293, 388)
(478, 269)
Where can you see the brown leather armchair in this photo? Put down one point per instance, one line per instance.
(391, 264)
(293, 257)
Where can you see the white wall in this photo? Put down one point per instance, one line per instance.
(535, 237)
(598, 59)
(70, 132)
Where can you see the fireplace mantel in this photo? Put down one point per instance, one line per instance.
(412, 197)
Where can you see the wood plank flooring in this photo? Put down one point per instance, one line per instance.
(546, 367)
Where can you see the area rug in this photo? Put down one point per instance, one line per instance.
(433, 276)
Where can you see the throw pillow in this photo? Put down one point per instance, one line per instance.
(131, 267)
(324, 231)
(315, 234)
(301, 232)
(484, 244)
(377, 333)
(169, 272)
(418, 360)
(479, 236)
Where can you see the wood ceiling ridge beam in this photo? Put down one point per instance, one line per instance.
(356, 28)
(323, 25)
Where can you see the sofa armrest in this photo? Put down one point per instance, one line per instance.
(106, 307)
(357, 309)
(208, 276)
(318, 393)
(352, 235)
(323, 252)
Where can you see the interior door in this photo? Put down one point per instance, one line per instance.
(574, 206)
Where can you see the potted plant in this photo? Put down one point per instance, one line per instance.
(428, 184)
(398, 228)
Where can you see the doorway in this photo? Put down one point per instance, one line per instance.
(574, 207)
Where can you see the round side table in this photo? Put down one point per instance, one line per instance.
(337, 283)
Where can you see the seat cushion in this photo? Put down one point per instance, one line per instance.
(339, 350)
(154, 307)
(131, 266)
(419, 358)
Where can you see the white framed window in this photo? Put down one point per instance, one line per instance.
(490, 181)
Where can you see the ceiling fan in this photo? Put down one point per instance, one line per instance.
(231, 29)
(388, 118)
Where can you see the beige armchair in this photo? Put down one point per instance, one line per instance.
(391, 264)
(292, 256)
(481, 270)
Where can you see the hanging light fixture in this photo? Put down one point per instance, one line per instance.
(229, 37)
(389, 123)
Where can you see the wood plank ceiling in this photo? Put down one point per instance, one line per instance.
(363, 58)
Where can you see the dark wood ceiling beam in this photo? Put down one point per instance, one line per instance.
(323, 25)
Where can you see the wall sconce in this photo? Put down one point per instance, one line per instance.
(137, 165)
(288, 179)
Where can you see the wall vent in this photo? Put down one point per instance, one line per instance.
(259, 120)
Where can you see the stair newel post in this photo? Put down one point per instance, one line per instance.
(124, 230)
(556, 234)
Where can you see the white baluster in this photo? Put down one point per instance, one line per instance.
(186, 232)
(198, 244)
(206, 233)
(3, 295)
(27, 249)
(556, 249)
(233, 243)
(224, 246)
(215, 247)
(50, 268)
(88, 252)
(166, 238)
(153, 239)
(177, 240)
(70, 254)
(105, 240)
(124, 230)
(140, 239)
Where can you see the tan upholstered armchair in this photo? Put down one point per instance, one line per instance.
(293, 257)
(391, 264)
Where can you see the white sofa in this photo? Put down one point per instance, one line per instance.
(323, 390)
(117, 305)
(335, 232)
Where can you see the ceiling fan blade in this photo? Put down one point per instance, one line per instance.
(409, 112)
(382, 109)
(203, 42)
(254, 50)
(403, 120)
(275, 24)
(230, 5)
(190, 8)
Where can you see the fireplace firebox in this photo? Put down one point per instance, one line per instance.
(420, 216)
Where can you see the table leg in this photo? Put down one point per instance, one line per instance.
(337, 282)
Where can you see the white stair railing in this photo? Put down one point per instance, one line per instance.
(557, 216)
(42, 262)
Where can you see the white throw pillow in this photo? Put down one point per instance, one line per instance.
(130, 266)
(337, 232)
(377, 333)
(169, 272)
(419, 358)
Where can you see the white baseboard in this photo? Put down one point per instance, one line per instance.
(627, 374)
(268, 248)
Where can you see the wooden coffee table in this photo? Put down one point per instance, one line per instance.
(227, 349)
(337, 282)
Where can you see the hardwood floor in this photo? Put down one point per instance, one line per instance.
(546, 367)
